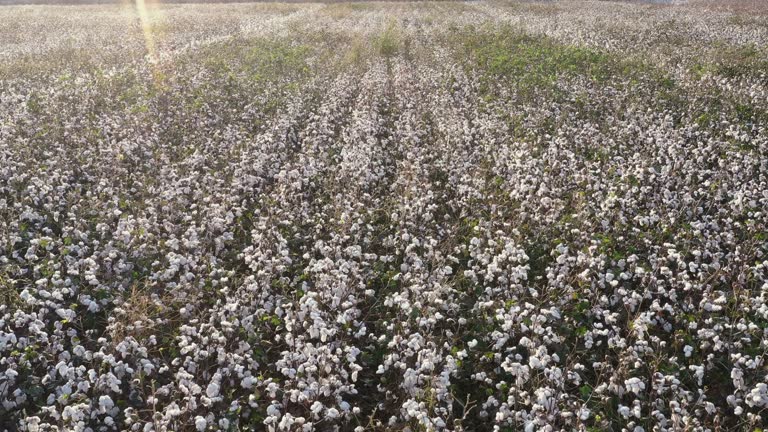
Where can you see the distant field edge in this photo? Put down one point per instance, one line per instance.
(118, 2)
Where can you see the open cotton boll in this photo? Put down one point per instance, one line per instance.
(310, 217)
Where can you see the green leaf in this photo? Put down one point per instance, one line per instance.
(585, 391)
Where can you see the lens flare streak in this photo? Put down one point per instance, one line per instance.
(146, 29)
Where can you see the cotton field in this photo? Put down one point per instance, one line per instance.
(413, 216)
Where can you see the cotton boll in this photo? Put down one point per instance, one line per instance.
(688, 350)
(200, 423)
(212, 390)
(584, 414)
(105, 404)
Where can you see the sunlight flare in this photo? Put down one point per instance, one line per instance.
(146, 29)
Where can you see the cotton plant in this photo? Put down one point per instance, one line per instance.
(262, 224)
